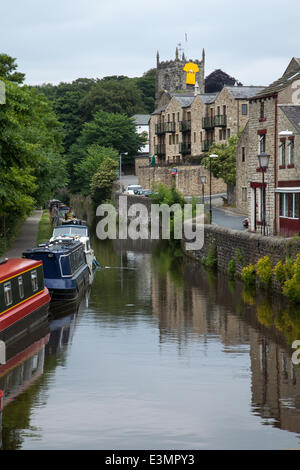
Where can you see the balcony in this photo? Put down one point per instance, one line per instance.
(169, 126)
(220, 120)
(206, 144)
(160, 150)
(185, 148)
(207, 122)
(160, 128)
(185, 126)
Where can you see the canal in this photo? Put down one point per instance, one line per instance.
(160, 354)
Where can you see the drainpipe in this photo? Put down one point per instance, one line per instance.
(275, 164)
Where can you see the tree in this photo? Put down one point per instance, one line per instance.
(102, 181)
(113, 95)
(85, 169)
(115, 131)
(8, 68)
(225, 165)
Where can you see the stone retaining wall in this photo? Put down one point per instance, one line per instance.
(244, 247)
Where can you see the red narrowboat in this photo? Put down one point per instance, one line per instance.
(24, 299)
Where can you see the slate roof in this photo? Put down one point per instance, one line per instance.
(184, 101)
(141, 119)
(159, 110)
(279, 84)
(244, 92)
(293, 114)
(209, 97)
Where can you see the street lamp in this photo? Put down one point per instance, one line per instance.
(124, 153)
(210, 211)
(203, 181)
(263, 160)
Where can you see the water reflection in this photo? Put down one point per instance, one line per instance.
(160, 354)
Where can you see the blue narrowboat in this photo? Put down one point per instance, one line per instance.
(65, 268)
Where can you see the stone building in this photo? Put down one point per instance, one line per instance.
(170, 75)
(274, 116)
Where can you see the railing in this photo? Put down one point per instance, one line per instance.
(185, 148)
(206, 144)
(220, 120)
(160, 150)
(185, 126)
(207, 122)
(159, 128)
(169, 126)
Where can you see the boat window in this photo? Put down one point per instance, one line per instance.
(34, 280)
(8, 293)
(21, 287)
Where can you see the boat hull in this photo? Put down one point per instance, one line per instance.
(70, 289)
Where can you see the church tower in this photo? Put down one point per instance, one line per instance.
(170, 75)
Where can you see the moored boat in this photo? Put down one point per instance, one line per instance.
(81, 233)
(24, 299)
(65, 267)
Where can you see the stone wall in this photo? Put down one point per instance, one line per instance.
(187, 180)
(244, 247)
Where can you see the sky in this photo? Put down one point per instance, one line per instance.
(62, 40)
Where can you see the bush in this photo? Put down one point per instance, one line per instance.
(211, 261)
(231, 268)
(248, 275)
(264, 270)
(291, 287)
(280, 272)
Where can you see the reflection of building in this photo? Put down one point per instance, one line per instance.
(203, 308)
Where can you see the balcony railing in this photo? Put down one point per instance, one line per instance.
(207, 122)
(185, 126)
(206, 144)
(185, 148)
(220, 120)
(159, 128)
(169, 126)
(160, 150)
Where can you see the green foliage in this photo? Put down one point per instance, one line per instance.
(280, 272)
(86, 168)
(162, 194)
(115, 131)
(210, 261)
(102, 181)
(264, 270)
(8, 69)
(291, 287)
(231, 268)
(225, 165)
(248, 275)
(265, 312)
(240, 255)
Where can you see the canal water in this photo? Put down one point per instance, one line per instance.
(160, 354)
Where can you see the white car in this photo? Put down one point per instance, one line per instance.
(133, 187)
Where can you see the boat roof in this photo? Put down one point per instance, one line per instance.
(71, 225)
(56, 246)
(14, 266)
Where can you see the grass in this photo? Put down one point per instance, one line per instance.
(45, 228)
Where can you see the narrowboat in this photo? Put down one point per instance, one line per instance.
(24, 300)
(65, 268)
(81, 233)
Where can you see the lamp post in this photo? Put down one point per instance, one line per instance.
(263, 160)
(210, 210)
(124, 153)
(203, 181)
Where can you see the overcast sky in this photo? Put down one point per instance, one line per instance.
(61, 40)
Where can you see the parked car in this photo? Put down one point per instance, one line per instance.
(133, 187)
(147, 192)
(246, 222)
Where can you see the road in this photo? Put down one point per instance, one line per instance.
(227, 218)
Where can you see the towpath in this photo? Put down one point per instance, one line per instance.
(27, 236)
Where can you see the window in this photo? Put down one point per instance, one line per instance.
(176, 138)
(244, 194)
(262, 143)
(220, 134)
(291, 152)
(8, 294)
(34, 281)
(228, 133)
(194, 137)
(243, 154)
(218, 110)
(289, 205)
(178, 117)
(21, 287)
(244, 109)
(224, 109)
(262, 110)
(282, 153)
(170, 139)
